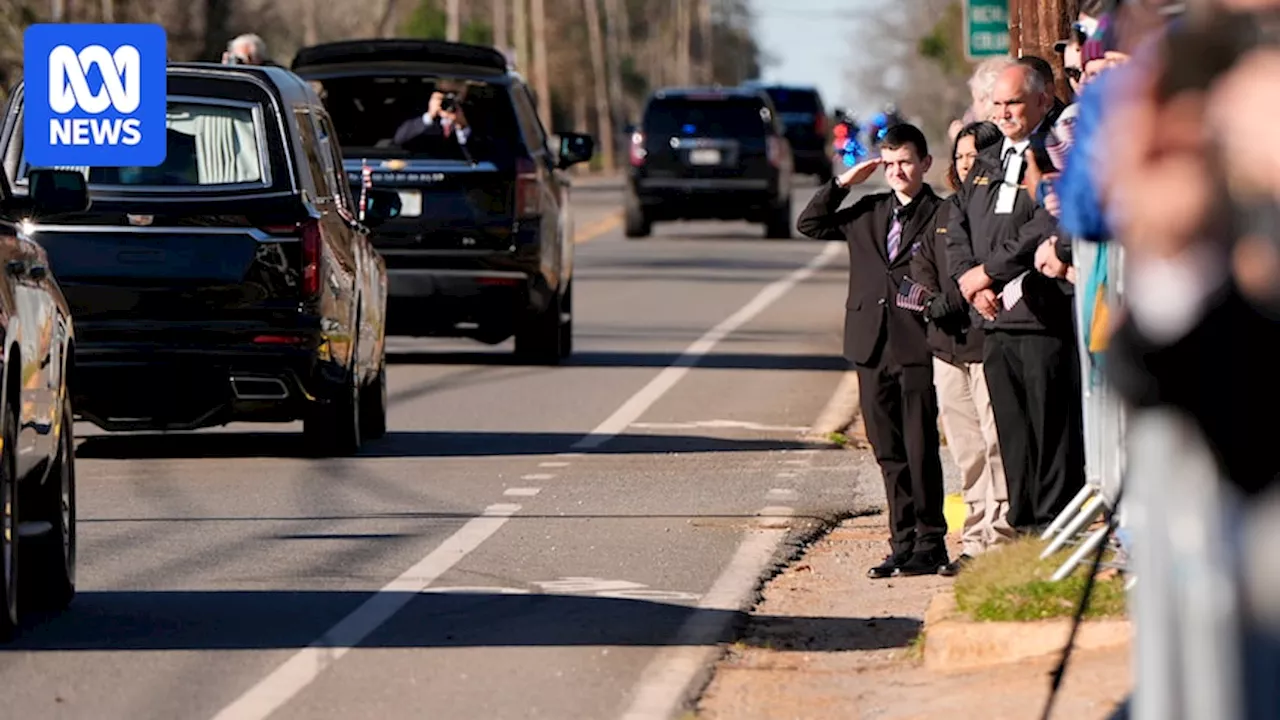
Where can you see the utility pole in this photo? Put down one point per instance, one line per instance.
(682, 42)
(706, 54)
(520, 23)
(612, 50)
(542, 83)
(500, 39)
(604, 120)
(453, 30)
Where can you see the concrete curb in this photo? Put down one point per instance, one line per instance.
(840, 414)
(953, 643)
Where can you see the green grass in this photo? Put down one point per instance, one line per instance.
(838, 438)
(1012, 584)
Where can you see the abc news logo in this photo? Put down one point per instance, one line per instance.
(69, 91)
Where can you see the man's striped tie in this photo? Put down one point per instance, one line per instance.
(895, 235)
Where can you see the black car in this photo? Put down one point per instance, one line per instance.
(37, 442)
(235, 282)
(483, 247)
(709, 154)
(808, 129)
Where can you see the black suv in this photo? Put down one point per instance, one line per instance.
(807, 126)
(483, 247)
(709, 154)
(234, 282)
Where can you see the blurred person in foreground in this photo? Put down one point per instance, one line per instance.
(886, 342)
(1202, 331)
(963, 401)
(1029, 352)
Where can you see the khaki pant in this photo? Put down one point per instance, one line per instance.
(970, 427)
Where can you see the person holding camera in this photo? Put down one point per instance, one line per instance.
(443, 122)
(247, 49)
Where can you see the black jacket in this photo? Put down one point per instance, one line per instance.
(952, 330)
(876, 330)
(1005, 246)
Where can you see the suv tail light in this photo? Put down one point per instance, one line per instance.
(638, 153)
(308, 234)
(820, 124)
(774, 149)
(528, 196)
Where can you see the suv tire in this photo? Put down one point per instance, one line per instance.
(778, 225)
(638, 224)
(540, 339)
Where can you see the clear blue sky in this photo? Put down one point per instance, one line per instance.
(813, 42)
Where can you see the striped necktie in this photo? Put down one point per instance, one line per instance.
(895, 233)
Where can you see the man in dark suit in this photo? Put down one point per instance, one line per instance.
(887, 343)
(1030, 355)
(442, 131)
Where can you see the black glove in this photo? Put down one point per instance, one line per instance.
(940, 307)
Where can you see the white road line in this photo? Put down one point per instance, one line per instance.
(633, 408)
(553, 464)
(667, 678)
(522, 492)
(287, 680)
(781, 494)
(796, 462)
(787, 475)
(537, 476)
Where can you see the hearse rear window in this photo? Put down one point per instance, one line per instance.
(209, 144)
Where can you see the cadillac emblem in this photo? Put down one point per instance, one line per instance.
(394, 164)
(141, 219)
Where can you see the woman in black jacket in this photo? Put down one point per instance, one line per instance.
(956, 342)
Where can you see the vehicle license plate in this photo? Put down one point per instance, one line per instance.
(704, 157)
(410, 203)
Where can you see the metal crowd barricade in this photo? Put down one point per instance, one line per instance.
(1103, 413)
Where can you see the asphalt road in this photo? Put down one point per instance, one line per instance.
(526, 542)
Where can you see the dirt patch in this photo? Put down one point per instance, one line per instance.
(826, 641)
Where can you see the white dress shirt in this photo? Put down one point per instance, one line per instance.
(461, 134)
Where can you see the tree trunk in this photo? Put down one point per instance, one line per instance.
(108, 10)
(386, 19)
(500, 39)
(612, 50)
(538, 16)
(626, 44)
(706, 54)
(520, 24)
(217, 13)
(310, 33)
(453, 26)
(1035, 25)
(604, 122)
(580, 119)
(682, 42)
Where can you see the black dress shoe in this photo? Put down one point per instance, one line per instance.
(886, 569)
(924, 564)
(952, 569)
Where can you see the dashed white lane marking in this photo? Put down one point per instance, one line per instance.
(796, 462)
(633, 408)
(787, 475)
(522, 492)
(778, 494)
(537, 476)
(665, 680)
(286, 681)
(553, 464)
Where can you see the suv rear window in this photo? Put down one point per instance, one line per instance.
(209, 143)
(730, 117)
(367, 110)
(789, 101)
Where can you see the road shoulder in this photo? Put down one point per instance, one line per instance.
(825, 641)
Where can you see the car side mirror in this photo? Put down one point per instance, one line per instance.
(380, 205)
(55, 192)
(575, 148)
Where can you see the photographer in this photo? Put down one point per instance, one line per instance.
(443, 127)
(247, 49)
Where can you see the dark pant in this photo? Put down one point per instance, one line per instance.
(1034, 383)
(900, 410)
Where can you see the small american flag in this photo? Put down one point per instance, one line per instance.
(912, 295)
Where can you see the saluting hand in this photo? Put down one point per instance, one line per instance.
(859, 173)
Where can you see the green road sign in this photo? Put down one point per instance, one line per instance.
(986, 28)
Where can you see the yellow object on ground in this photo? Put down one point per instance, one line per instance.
(955, 511)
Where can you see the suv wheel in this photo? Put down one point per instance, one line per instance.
(49, 560)
(373, 409)
(637, 223)
(778, 225)
(541, 339)
(333, 429)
